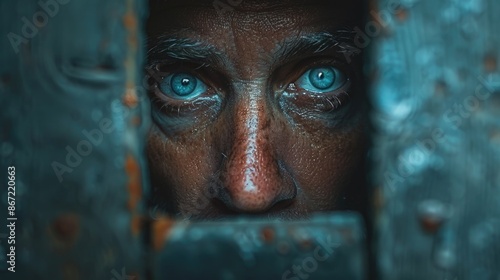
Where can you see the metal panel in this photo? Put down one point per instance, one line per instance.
(437, 153)
(74, 117)
(73, 124)
(325, 247)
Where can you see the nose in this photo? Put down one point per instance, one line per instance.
(253, 178)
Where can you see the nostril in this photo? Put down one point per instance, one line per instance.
(282, 204)
(253, 203)
(223, 197)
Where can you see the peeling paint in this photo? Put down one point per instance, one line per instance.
(64, 231)
(134, 185)
(161, 229)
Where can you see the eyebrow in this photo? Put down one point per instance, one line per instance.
(341, 40)
(186, 49)
(183, 49)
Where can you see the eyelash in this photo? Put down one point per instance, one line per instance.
(318, 102)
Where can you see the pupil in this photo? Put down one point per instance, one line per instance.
(322, 78)
(183, 84)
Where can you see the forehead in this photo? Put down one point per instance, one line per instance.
(249, 34)
(258, 15)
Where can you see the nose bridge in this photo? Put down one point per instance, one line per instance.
(252, 175)
(255, 151)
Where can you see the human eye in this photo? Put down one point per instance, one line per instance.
(320, 80)
(183, 96)
(182, 86)
(321, 90)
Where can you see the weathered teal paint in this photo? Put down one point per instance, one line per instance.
(73, 123)
(436, 155)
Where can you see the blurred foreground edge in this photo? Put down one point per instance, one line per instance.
(323, 247)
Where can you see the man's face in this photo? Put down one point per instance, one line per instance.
(257, 108)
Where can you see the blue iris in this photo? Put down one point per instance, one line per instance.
(322, 79)
(182, 86)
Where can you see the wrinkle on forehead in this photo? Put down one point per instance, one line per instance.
(257, 16)
(250, 34)
(255, 5)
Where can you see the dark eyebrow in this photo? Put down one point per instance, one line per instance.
(183, 49)
(340, 40)
(166, 47)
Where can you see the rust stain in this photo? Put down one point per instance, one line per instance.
(132, 40)
(490, 63)
(135, 121)
(130, 98)
(267, 234)
(64, 231)
(134, 185)
(305, 244)
(136, 224)
(402, 14)
(430, 224)
(130, 22)
(283, 248)
(161, 228)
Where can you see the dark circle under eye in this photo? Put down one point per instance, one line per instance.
(183, 84)
(322, 78)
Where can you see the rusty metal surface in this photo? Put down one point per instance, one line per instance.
(72, 125)
(74, 117)
(437, 151)
(325, 247)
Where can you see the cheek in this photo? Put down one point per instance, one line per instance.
(181, 165)
(324, 164)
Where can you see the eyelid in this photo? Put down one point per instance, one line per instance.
(320, 103)
(323, 62)
(290, 72)
(292, 90)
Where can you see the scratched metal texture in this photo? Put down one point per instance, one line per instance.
(437, 151)
(75, 68)
(325, 247)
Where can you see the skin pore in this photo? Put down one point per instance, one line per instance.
(257, 110)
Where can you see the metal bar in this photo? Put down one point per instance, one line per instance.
(325, 247)
(73, 124)
(436, 156)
